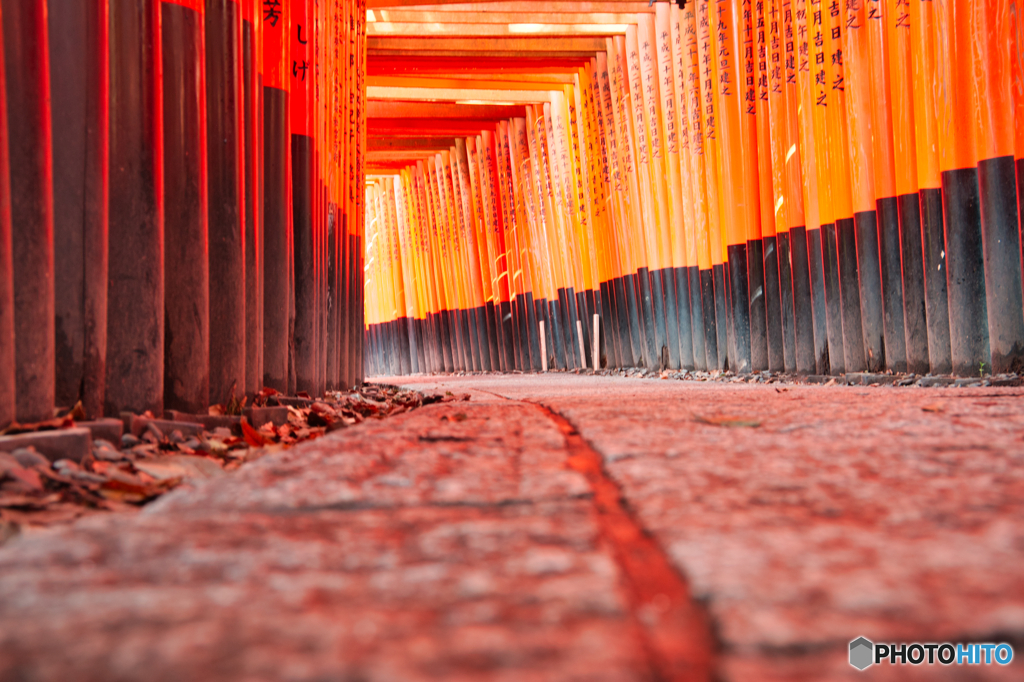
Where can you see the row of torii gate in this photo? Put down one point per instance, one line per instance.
(806, 186)
(809, 186)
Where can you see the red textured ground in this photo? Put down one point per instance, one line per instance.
(558, 527)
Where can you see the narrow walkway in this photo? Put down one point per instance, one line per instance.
(557, 527)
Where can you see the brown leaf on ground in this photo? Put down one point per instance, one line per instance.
(252, 436)
(46, 425)
(116, 480)
(934, 407)
(78, 412)
(61, 513)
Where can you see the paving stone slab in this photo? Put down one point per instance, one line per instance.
(455, 453)
(472, 553)
(831, 512)
(73, 444)
(512, 592)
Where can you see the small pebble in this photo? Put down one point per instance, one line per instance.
(129, 441)
(28, 457)
(106, 452)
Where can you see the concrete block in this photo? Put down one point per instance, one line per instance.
(294, 402)
(73, 444)
(105, 429)
(140, 424)
(178, 416)
(258, 416)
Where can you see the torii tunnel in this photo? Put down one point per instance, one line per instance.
(800, 186)
(180, 202)
(195, 194)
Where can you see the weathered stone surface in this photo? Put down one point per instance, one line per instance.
(105, 429)
(897, 514)
(73, 444)
(460, 548)
(469, 541)
(455, 454)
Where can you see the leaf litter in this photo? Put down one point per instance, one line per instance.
(36, 493)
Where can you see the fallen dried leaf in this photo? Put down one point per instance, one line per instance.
(252, 436)
(161, 471)
(934, 407)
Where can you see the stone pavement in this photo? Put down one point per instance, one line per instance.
(558, 527)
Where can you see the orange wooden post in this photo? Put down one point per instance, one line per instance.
(956, 102)
(653, 301)
(789, 156)
(738, 185)
(225, 161)
(699, 75)
(682, 35)
(186, 361)
(8, 368)
(658, 196)
(708, 78)
(838, 150)
(625, 309)
(628, 197)
(853, 44)
(901, 76)
(824, 271)
(79, 105)
(252, 69)
(276, 23)
(26, 46)
(993, 122)
(482, 211)
(662, 117)
(768, 54)
(886, 196)
(135, 319)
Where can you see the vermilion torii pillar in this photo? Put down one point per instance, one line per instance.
(28, 95)
(187, 331)
(301, 80)
(226, 156)
(80, 94)
(7, 366)
(135, 319)
(276, 20)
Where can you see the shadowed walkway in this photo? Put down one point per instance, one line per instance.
(557, 527)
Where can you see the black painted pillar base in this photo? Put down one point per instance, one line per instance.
(773, 303)
(709, 304)
(721, 317)
(786, 309)
(853, 326)
(668, 285)
(997, 188)
(740, 300)
(634, 318)
(968, 310)
(683, 317)
(890, 260)
(868, 270)
(833, 298)
(914, 311)
(697, 330)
